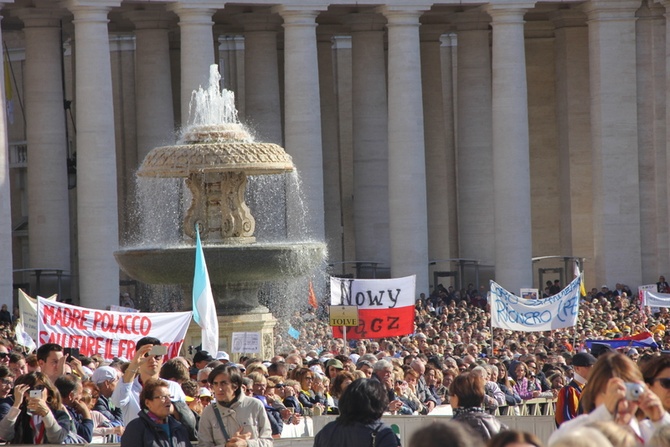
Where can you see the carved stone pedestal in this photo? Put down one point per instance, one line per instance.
(257, 322)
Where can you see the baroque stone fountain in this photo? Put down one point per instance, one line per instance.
(215, 155)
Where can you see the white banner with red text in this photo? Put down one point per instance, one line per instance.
(385, 306)
(110, 334)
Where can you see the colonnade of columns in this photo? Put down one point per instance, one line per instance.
(409, 204)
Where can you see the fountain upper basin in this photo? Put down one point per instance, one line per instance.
(225, 263)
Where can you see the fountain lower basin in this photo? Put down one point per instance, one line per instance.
(236, 272)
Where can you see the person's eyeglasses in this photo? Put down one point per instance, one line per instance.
(279, 385)
(7, 382)
(162, 398)
(309, 378)
(664, 381)
(204, 382)
(4, 355)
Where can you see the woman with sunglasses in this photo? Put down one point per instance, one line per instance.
(308, 398)
(615, 392)
(656, 373)
(155, 427)
(35, 420)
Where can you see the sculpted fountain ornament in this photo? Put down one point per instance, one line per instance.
(214, 156)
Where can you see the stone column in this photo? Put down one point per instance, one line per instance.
(261, 72)
(448, 45)
(48, 201)
(437, 167)
(370, 138)
(302, 114)
(511, 158)
(652, 41)
(197, 50)
(407, 161)
(97, 214)
(332, 167)
(573, 123)
(6, 275)
(616, 197)
(474, 144)
(155, 115)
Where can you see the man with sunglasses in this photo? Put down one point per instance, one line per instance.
(656, 373)
(142, 367)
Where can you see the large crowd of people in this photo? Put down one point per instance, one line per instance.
(618, 397)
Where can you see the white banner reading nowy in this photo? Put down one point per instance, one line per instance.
(111, 334)
(508, 311)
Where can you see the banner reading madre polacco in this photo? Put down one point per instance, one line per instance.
(509, 311)
(385, 306)
(110, 334)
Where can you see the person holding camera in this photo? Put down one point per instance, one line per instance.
(615, 392)
(146, 364)
(37, 415)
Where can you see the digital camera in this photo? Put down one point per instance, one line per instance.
(634, 391)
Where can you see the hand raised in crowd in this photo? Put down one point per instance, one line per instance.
(136, 362)
(615, 401)
(651, 405)
(239, 439)
(38, 405)
(19, 393)
(76, 366)
(81, 408)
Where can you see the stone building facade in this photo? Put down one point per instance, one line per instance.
(492, 131)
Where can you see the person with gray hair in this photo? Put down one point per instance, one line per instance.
(494, 396)
(382, 371)
(422, 392)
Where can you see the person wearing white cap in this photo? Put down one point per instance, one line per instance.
(106, 378)
(223, 357)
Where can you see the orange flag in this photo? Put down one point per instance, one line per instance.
(312, 297)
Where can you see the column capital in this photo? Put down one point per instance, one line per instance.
(508, 12)
(40, 17)
(259, 21)
(151, 18)
(403, 14)
(568, 18)
(605, 10)
(365, 21)
(299, 14)
(472, 20)
(91, 10)
(198, 13)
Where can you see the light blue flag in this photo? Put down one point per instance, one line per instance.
(204, 310)
(293, 332)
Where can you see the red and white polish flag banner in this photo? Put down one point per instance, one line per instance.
(385, 306)
(110, 334)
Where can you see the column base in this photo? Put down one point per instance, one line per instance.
(258, 322)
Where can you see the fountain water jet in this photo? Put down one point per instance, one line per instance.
(214, 156)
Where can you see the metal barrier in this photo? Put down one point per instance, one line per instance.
(531, 407)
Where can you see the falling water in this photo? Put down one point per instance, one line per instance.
(275, 201)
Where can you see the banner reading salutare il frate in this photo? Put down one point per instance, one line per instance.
(385, 306)
(110, 334)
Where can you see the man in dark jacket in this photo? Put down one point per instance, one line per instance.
(106, 378)
(70, 389)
